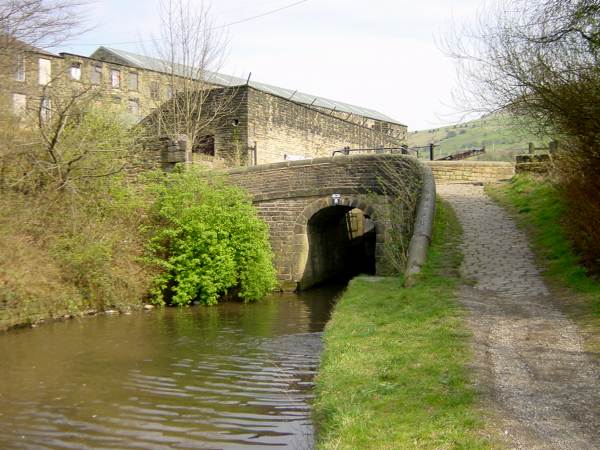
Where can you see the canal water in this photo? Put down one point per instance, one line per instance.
(224, 377)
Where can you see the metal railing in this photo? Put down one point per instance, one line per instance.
(348, 150)
(403, 149)
(428, 149)
(463, 155)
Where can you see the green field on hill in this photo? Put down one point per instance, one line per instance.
(502, 138)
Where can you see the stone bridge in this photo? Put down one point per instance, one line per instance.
(326, 216)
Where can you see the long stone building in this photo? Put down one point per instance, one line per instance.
(265, 123)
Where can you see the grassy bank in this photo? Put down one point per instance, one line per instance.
(60, 257)
(393, 373)
(86, 226)
(173, 238)
(540, 209)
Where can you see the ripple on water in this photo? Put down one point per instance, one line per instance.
(222, 378)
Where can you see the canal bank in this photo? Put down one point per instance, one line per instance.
(394, 369)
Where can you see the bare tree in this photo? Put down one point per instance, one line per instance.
(27, 26)
(73, 145)
(192, 50)
(36, 23)
(536, 59)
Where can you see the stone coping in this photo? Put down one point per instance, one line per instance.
(423, 228)
(338, 159)
(465, 163)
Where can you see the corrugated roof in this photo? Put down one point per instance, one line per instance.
(159, 65)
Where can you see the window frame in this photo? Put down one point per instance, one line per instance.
(154, 88)
(96, 70)
(20, 111)
(136, 109)
(44, 71)
(133, 76)
(20, 69)
(46, 108)
(113, 84)
(75, 76)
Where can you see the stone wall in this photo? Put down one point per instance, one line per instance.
(393, 129)
(152, 87)
(288, 194)
(27, 86)
(283, 129)
(534, 163)
(137, 99)
(471, 171)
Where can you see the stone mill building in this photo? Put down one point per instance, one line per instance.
(264, 124)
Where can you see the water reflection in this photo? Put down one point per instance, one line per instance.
(225, 377)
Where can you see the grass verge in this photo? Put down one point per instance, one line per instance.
(393, 373)
(539, 207)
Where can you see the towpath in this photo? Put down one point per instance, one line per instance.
(541, 387)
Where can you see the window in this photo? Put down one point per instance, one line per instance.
(154, 90)
(133, 105)
(132, 81)
(46, 109)
(20, 68)
(115, 78)
(169, 92)
(96, 74)
(19, 104)
(45, 71)
(75, 71)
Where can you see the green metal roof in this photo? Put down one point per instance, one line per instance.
(159, 65)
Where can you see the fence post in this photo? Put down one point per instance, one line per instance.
(553, 146)
(431, 151)
(531, 148)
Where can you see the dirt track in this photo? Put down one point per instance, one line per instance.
(542, 390)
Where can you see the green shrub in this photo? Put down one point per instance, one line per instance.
(207, 240)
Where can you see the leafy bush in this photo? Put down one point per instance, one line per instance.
(208, 241)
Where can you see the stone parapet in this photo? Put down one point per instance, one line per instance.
(471, 171)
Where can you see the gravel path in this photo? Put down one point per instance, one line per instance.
(532, 369)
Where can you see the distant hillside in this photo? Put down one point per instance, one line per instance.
(501, 138)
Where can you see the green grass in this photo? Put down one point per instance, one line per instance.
(393, 373)
(540, 208)
(502, 138)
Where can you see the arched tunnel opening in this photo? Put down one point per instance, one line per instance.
(341, 244)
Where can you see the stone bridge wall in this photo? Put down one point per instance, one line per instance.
(471, 171)
(288, 194)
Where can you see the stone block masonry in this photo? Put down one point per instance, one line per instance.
(278, 129)
(288, 194)
(283, 129)
(471, 171)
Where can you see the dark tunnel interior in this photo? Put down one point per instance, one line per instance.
(341, 243)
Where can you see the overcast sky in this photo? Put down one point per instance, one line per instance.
(380, 54)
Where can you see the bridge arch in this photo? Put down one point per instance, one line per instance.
(291, 197)
(316, 261)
